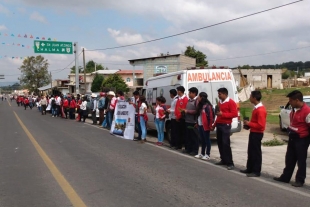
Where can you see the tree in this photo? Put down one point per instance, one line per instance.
(97, 83)
(72, 69)
(90, 67)
(115, 81)
(200, 57)
(34, 73)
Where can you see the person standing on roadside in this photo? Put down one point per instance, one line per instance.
(58, 106)
(83, 109)
(204, 122)
(111, 108)
(65, 106)
(142, 119)
(101, 106)
(135, 102)
(160, 119)
(190, 112)
(298, 143)
(180, 105)
(30, 102)
(72, 109)
(174, 126)
(257, 127)
(227, 111)
(93, 108)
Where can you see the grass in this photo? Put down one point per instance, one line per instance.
(272, 116)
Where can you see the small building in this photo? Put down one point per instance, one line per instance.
(129, 76)
(85, 86)
(162, 64)
(259, 78)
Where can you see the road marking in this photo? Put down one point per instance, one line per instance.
(9, 103)
(232, 171)
(61, 180)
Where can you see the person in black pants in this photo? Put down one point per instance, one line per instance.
(298, 143)
(227, 111)
(257, 126)
(174, 126)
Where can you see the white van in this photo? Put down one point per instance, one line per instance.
(207, 80)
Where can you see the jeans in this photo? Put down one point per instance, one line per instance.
(109, 117)
(138, 127)
(54, 111)
(143, 127)
(104, 123)
(160, 129)
(205, 141)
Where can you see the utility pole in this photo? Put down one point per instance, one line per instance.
(84, 70)
(51, 83)
(77, 82)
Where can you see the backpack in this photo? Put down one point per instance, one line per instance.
(53, 102)
(208, 112)
(166, 112)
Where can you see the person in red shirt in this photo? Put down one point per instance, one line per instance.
(26, 102)
(227, 111)
(65, 106)
(257, 127)
(72, 108)
(298, 142)
(180, 119)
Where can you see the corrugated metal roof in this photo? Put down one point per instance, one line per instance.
(44, 88)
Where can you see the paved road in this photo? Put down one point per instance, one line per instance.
(47, 161)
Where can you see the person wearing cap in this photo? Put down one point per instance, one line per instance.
(101, 106)
(93, 107)
(298, 142)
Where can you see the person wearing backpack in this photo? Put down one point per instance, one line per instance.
(190, 113)
(204, 123)
(101, 106)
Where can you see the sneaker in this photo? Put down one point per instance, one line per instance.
(206, 157)
(52, 116)
(199, 156)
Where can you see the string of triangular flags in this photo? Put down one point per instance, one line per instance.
(12, 57)
(28, 36)
(17, 44)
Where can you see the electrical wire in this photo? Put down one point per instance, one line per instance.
(261, 54)
(194, 30)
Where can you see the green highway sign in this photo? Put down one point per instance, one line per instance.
(53, 47)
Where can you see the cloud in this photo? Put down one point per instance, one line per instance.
(3, 27)
(38, 17)
(4, 10)
(125, 37)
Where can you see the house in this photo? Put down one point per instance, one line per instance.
(57, 86)
(133, 78)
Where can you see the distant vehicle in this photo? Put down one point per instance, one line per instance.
(207, 80)
(284, 116)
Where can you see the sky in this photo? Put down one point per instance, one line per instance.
(98, 24)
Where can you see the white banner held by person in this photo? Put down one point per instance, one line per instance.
(123, 124)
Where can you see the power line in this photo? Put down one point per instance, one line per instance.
(261, 54)
(194, 30)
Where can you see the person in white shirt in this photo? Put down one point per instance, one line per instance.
(83, 109)
(58, 109)
(142, 117)
(93, 108)
(174, 126)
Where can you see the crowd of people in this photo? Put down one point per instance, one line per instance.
(192, 118)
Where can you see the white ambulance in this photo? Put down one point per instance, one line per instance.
(207, 80)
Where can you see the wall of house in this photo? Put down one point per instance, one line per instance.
(259, 78)
(128, 78)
